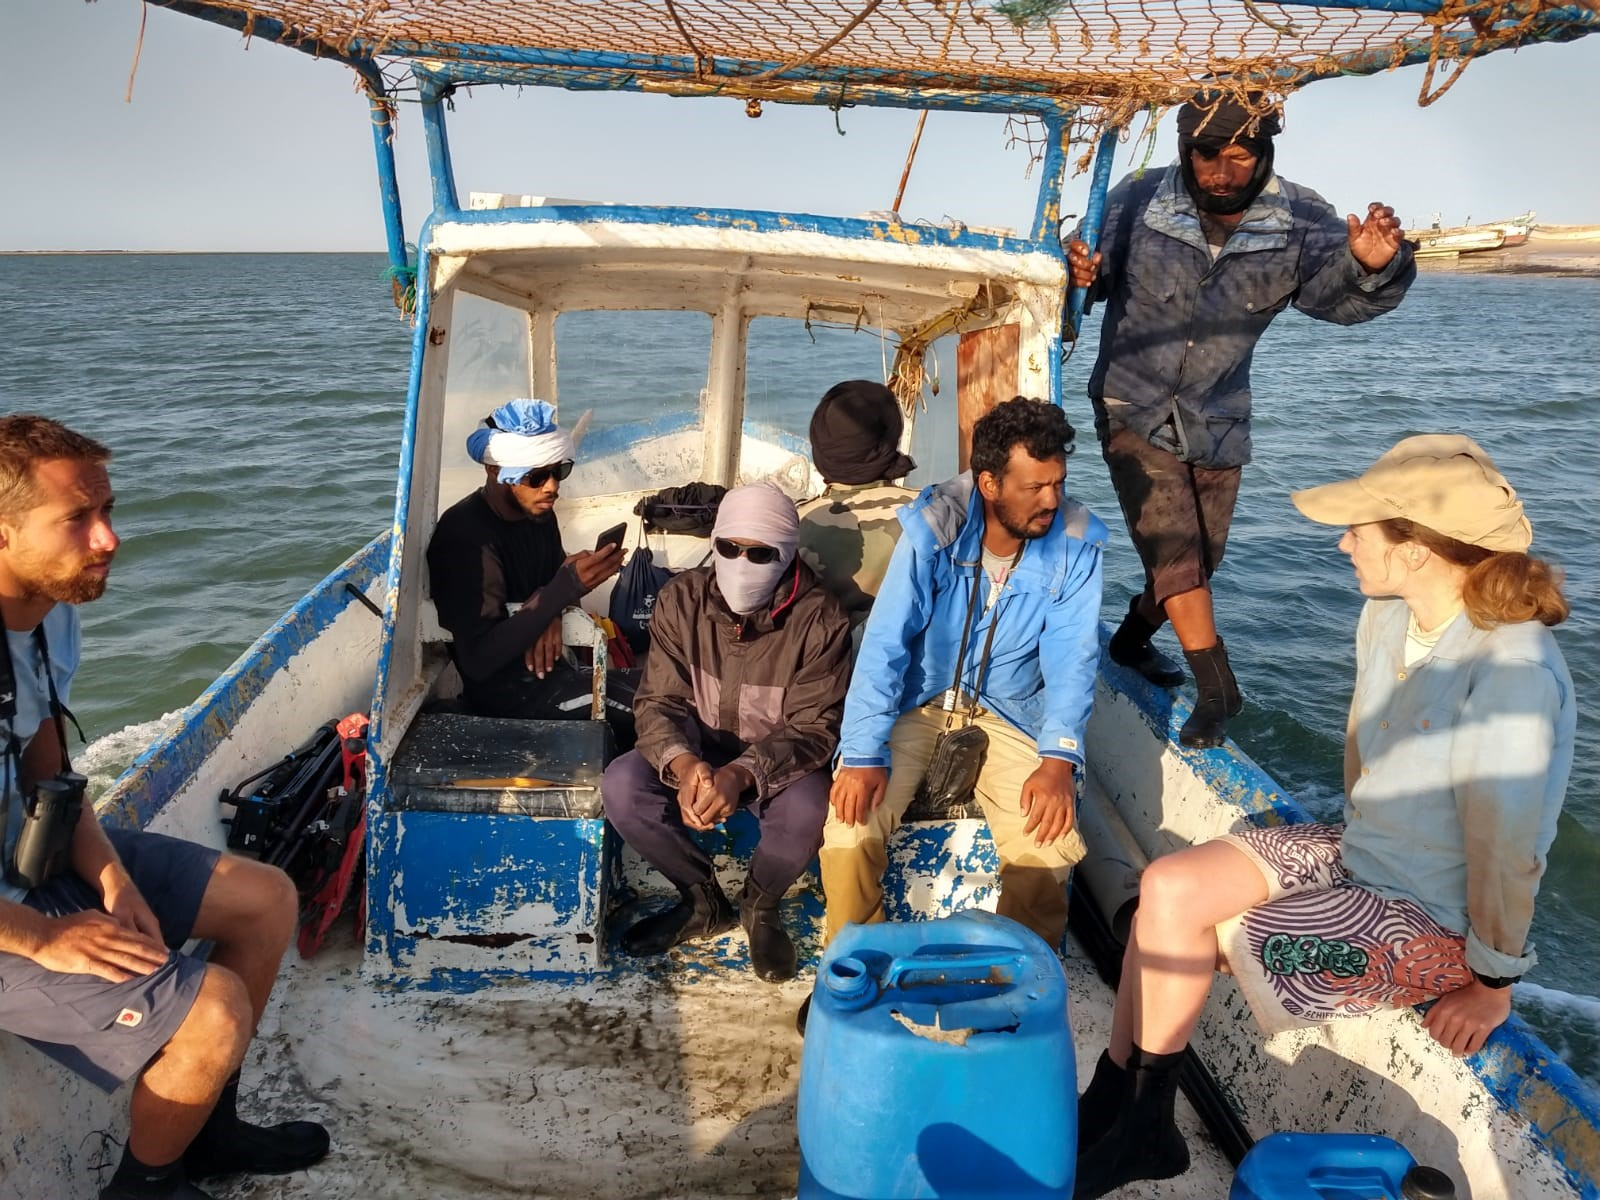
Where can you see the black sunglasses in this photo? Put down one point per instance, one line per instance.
(760, 555)
(539, 476)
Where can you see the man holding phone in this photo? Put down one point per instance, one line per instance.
(739, 706)
(500, 577)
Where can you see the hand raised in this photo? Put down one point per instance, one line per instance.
(857, 792)
(92, 943)
(594, 567)
(1376, 240)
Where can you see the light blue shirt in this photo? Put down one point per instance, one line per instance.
(1463, 765)
(65, 638)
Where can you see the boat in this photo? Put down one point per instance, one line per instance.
(1575, 234)
(481, 1035)
(1453, 241)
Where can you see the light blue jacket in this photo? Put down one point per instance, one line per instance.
(1462, 766)
(1046, 650)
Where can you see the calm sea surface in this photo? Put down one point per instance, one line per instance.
(254, 405)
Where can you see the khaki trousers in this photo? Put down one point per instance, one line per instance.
(1032, 878)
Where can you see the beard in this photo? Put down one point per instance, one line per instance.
(72, 584)
(1024, 525)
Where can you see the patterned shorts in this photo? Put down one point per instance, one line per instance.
(1323, 946)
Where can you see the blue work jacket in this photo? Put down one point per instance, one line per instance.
(1046, 650)
(1180, 327)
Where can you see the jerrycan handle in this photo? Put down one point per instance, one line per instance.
(995, 968)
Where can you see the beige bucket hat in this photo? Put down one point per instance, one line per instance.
(1443, 481)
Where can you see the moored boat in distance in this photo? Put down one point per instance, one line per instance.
(485, 1036)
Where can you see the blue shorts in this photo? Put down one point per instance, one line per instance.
(104, 1031)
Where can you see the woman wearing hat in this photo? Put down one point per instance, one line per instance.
(1457, 754)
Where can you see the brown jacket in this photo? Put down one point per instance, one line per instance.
(765, 691)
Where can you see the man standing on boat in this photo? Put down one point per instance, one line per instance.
(1194, 263)
(499, 575)
(988, 620)
(848, 533)
(739, 707)
(91, 919)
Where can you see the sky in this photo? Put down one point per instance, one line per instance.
(233, 146)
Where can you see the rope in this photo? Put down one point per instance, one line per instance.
(138, 48)
(700, 60)
(820, 50)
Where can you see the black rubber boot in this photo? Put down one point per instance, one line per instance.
(1101, 1102)
(1216, 697)
(227, 1145)
(1130, 646)
(771, 949)
(703, 912)
(136, 1181)
(1144, 1142)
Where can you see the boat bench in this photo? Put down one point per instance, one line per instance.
(493, 856)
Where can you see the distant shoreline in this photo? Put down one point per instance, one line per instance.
(1579, 260)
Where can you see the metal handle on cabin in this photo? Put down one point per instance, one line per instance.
(1093, 218)
(980, 967)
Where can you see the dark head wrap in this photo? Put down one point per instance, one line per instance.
(855, 434)
(1213, 121)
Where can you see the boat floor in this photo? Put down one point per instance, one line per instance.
(676, 1080)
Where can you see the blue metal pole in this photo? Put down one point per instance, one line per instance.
(439, 166)
(388, 181)
(1047, 213)
(1093, 218)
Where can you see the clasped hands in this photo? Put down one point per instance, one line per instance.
(707, 797)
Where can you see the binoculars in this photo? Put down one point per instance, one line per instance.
(44, 844)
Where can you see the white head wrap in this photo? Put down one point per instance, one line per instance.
(518, 437)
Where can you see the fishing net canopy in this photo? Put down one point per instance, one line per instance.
(1110, 58)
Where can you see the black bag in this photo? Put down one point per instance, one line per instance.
(690, 508)
(633, 597)
(959, 754)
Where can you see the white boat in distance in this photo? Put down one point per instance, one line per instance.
(485, 1037)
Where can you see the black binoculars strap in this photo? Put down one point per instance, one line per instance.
(966, 632)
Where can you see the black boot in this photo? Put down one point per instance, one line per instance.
(1101, 1102)
(703, 912)
(771, 949)
(1130, 646)
(136, 1181)
(1216, 697)
(226, 1144)
(1144, 1142)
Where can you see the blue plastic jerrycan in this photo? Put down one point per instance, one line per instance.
(1335, 1166)
(938, 1062)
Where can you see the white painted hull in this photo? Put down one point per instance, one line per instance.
(680, 1080)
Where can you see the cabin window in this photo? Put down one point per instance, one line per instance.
(787, 369)
(936, 435)
(488, 365)
(638, 378)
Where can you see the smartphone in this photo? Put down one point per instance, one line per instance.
(612, 536)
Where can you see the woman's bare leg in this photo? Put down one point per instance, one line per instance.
(1172, 949)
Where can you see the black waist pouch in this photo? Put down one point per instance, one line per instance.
(953, 768)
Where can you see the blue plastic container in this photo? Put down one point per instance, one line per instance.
(1335, 1166)
(938, 1063)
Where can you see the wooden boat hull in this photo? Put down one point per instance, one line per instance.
(1511, 1122)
